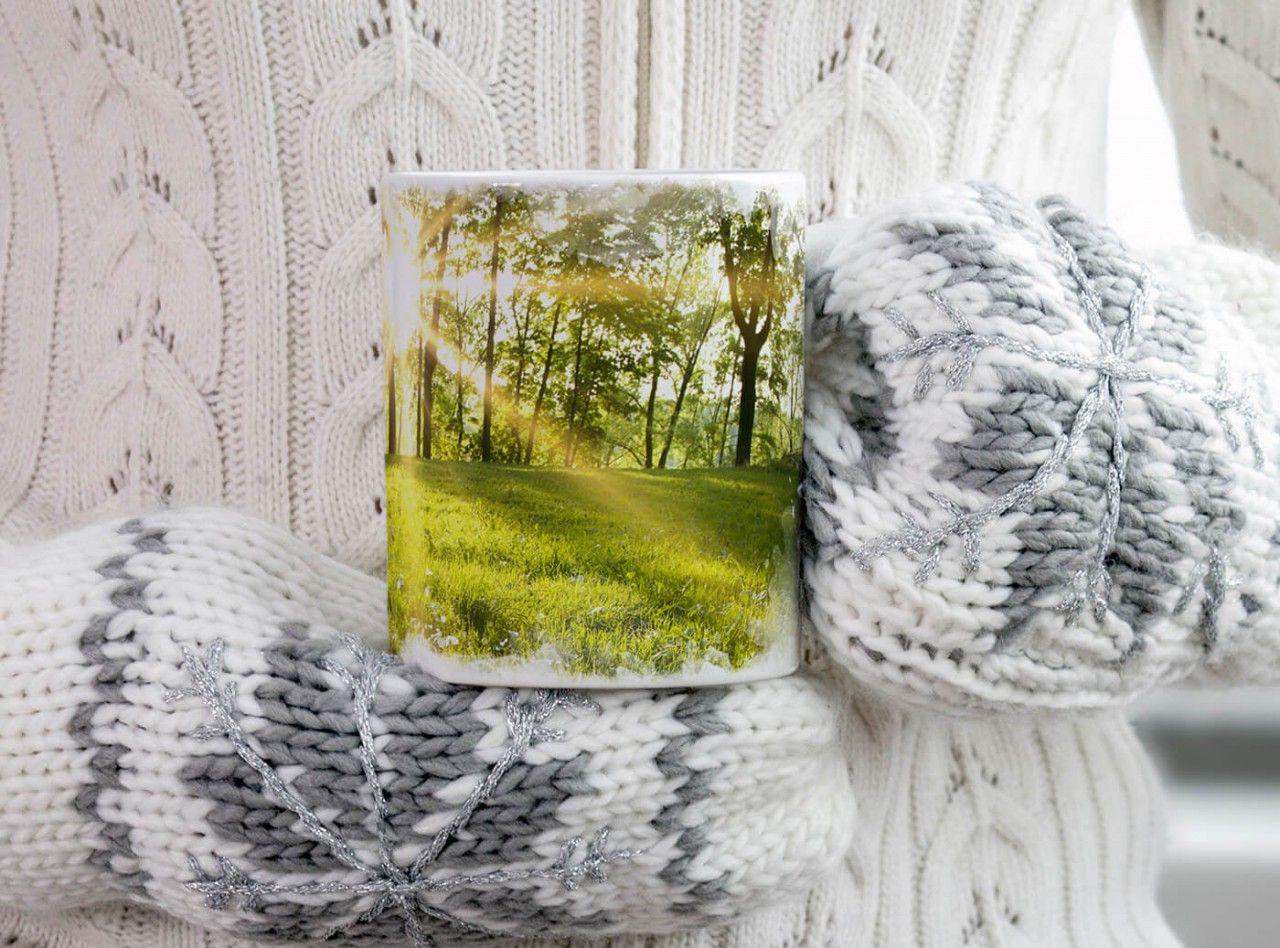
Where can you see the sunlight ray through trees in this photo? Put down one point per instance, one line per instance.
(594, 398)
(640, 330)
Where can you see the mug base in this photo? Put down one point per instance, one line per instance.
(780, 661)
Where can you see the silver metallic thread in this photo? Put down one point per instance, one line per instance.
(1090, 586)
(391, 886)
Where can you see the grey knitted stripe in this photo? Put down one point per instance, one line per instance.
(430, 727)
(309, 724)
(433, 731)
(104, 765)
(1146, 546)
(315, 729)
(699, 713)
(1101, 541)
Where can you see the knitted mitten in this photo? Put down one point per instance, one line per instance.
(182, 722)
(1037, 474)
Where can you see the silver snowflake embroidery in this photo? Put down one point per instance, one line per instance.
(394, 888)
(1213, 575)
(1090, 587)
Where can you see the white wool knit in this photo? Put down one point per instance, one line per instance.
(1039, 473)
(1218, 66)
(186, 316)
(130, 767)
(191, 282)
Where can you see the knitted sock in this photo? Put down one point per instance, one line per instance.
(1037, 474)
(182, 723)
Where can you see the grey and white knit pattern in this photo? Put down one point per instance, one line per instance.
(192, 714)
(1037, 474)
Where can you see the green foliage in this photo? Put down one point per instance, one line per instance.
(625, 361)
(601, 569)
(630, 320)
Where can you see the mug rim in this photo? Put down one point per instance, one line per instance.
(568, 175)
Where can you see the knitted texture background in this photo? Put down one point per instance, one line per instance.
(184, 725)
(1036, 475)
(1021, 828)
(247, 138)
(1218, 65)
(191, 252)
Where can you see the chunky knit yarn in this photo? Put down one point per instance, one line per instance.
(189, 256)
(331, 784)
(1036, 475)
(184, 725)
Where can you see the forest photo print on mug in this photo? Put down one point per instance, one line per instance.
(594, 399)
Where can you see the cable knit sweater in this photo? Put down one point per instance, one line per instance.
(190, 251)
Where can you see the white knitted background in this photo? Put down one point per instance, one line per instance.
(998, 520)
(187, 314)
(1014, 829)
(191, 252)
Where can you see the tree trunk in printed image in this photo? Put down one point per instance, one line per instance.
(747, 399)
(573, 397)
(432, 350)
(747, 318)
(648, 411)
(524, 329)
(419, 403)
(672, 308)
(728, 410)
(462, 374)
(392, 401)
(686, 374)
(486, 424)
(575, 438)
(542, 385)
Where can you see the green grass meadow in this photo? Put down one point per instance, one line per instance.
(598, 570)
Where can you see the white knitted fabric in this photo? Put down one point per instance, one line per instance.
(1011, 824)
(191, 254)
(128, 766)
(1038, 473)
(1218, 66)
(185, 317)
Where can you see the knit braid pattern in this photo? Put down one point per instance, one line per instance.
(1217, 63)
(188, 244)
(194, 717)
(1037, 474)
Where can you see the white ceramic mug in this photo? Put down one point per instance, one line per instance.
(594, 404)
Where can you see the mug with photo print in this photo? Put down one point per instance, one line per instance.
(594, 396)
